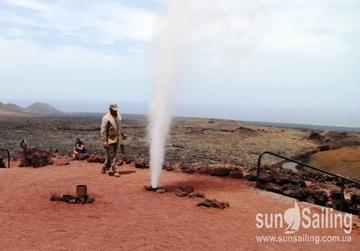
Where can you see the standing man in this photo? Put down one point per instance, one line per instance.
(111, 135)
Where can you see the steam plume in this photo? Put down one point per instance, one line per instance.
(168, 49)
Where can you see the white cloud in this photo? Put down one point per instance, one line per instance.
(30, 4)
(298, 43)
(295, 27)
(30, 71)
(226, 27)
(99, 22)
(18, 55)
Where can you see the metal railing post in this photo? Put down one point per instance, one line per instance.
(342, 195)
(8, 156)
(258, 172)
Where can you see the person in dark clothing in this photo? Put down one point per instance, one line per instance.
(79, 151)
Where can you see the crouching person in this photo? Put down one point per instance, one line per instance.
(79, 150)
(111, 135)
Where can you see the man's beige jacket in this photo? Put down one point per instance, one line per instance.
(111, 129)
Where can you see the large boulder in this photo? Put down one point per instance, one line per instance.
(34, 157)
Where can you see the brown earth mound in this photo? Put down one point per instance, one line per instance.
(344, 161)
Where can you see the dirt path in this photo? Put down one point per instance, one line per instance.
(124, 217)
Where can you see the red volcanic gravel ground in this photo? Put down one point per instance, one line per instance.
(125, 217)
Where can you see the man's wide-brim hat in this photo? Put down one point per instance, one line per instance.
(113, 107)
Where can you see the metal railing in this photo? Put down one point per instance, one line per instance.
(8, 155)
(343, 179)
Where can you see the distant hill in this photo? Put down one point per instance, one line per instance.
(42, 108)
(14, 108)
(34, 109)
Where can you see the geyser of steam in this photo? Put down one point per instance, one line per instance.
(168, 49)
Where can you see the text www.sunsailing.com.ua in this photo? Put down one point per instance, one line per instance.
(305, 238)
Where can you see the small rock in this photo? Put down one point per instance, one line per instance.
(322, 148)
(356, 225)
(251, 176)
(221, 172)
(81, 199)
(161, 190)
(168, 168)
(237, 174)
(96, 158)
(335, 194)
(204, 170)
(157, 190)
(150, 188)
(295, 191)
(213, 203)
(184, 191)
(196, 195)
(128, 159)
(319, 196)
(283, 178)
(272, 187)
(186, 168)
(141, 164)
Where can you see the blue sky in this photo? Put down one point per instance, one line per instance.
(251, 60)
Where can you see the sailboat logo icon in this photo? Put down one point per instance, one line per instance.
(292, 217)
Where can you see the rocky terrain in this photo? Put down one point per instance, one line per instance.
(207, 146)
(190, 141)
